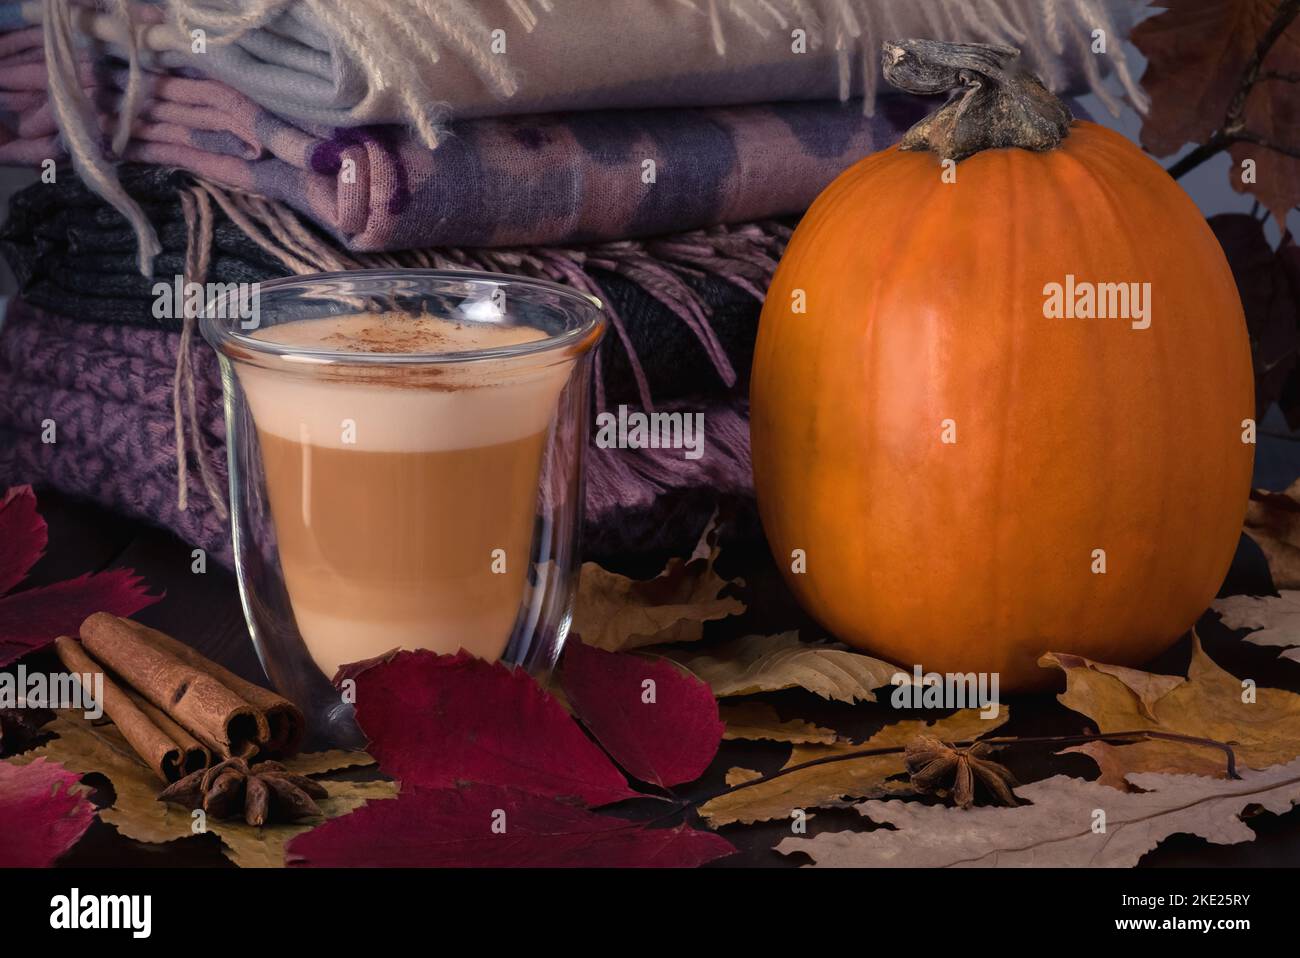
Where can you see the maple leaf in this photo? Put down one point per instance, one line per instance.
(849, 777)
(657, 722)
(43, 813)
(1198, 53)
(1057, 828)
(769, 663)
(33, 618)
(440, 720)
(1275, 619)
(1208, 704)
(495, 826)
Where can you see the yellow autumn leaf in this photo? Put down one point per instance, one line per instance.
(759, 720)
(769, 663)
(832, 782)
(615, 613)
(137, 813)
(1263, 724)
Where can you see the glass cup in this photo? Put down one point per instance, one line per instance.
(406, 469)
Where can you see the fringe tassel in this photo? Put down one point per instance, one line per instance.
(198, 257)
(77, 122)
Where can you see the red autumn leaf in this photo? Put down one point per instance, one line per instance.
(350, 670)
(488, 826)
(36, 617)
(23, 533)
(442, 720)
(33, 618)
(42, 813)
(665, 733)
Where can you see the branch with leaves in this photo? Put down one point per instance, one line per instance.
(1233, 130)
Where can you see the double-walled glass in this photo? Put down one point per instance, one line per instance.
(406, 469)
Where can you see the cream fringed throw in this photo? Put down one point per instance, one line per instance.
(422, 62)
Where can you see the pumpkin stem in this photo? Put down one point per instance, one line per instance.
(992, 104)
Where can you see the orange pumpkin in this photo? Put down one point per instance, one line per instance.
(971, 480)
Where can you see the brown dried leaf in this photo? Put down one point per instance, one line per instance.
(769, 663)
(137, 813)
(1275, 619)
(1209, 704)
(251, 847)
(1057, 828)
(1197, 53)
(831, 783)
(1116, 761)
(1273, 521)
(759, 720)
(738, 776)
(615, 613)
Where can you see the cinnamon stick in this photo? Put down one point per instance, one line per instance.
(196, 700)
(158, 750)
(285, 720)
(194, 754)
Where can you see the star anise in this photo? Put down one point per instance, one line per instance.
(19, 728)
(259, 793)
(938, 767)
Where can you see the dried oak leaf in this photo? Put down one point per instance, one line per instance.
(832, 782)
(32, 618)
(1273, 619)
(1273, 521)
(475, 826)
(1197, 52)
(615, 613)
(759, 720)
(1265, 287)
(769, 663)
(659, 723)
(440, 720)
(1207, 704)
(43, 813)
(137, 813)
(1057, 829)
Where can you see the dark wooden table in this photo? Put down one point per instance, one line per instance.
(204, 610)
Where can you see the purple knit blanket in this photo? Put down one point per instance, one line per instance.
(544, 179)
(108, 392)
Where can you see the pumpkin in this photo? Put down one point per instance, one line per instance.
(961, 464)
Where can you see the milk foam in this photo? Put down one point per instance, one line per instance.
(395, 409)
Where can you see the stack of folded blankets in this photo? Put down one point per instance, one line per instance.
(653, 152)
